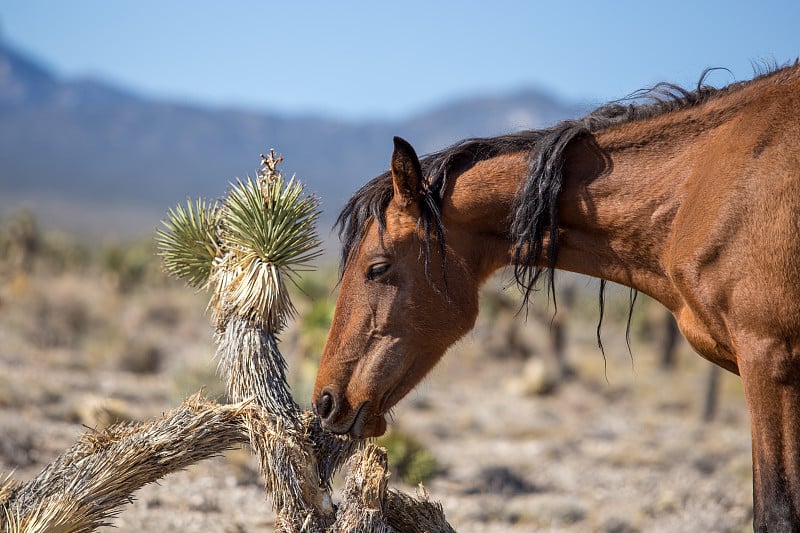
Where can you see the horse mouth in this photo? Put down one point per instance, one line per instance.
(363, 424)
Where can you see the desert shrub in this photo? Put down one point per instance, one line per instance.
(99, 412)
(24, 245)
(58, 322)
(19, 395)
(129, 265)
(190, 377)
(141, 356)
(315, 324)
(18, 447)
(62, 252)
(500, 480)
(20, 240)
(163, 313)
(410, 461)
(316, 302)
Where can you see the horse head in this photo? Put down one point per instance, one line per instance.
(397, 312)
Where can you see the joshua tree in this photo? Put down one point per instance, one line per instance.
(245, 248)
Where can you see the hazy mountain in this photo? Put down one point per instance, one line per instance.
(88, 155)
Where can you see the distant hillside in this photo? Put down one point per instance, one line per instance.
(81, 151)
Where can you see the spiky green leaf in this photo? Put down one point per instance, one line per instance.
(189, 242)
(268, 233)
(273, 219)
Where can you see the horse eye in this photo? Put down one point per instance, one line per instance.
(377, 270)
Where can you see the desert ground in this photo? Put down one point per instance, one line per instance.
(616, 444)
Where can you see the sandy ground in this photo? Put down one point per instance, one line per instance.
(620, 447)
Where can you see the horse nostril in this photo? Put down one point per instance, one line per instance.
(325, 405)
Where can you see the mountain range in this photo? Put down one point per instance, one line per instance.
(99, 159)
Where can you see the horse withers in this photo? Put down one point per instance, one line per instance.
(692, 198)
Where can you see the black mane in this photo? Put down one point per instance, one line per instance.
(535, 207)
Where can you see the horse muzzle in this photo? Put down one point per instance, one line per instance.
(337, 416)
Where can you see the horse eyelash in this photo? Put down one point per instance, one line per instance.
(383, 269)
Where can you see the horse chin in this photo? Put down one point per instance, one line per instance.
(380, 426)
(368, 425)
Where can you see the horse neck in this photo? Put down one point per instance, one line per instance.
(621, 192)
(622, 187)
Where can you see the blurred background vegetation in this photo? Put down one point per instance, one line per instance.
(93, 332)
(86, 294)
(106, 307)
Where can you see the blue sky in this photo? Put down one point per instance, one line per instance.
(359, 60)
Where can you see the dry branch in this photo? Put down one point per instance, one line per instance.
(87, 484)
(368, 506)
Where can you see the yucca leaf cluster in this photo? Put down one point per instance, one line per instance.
(189, 243)
(245, 246)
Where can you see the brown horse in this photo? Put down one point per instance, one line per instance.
(692, 197)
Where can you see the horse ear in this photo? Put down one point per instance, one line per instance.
(406, 173)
